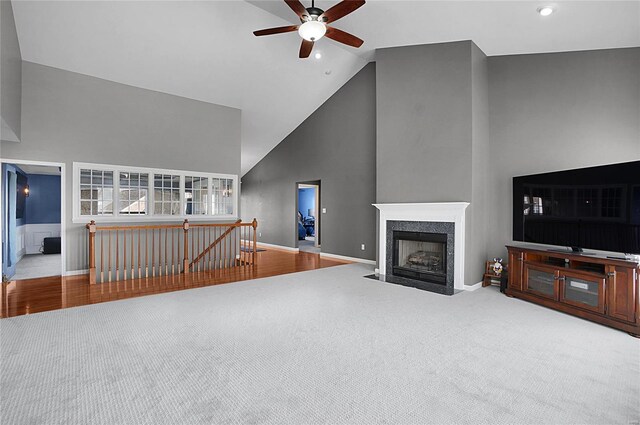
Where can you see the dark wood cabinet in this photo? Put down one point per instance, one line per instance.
(596, 288)
(622, 291)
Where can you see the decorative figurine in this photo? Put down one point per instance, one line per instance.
(497, 266)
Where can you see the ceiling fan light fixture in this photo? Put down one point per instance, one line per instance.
(545, 10)
(312, 30)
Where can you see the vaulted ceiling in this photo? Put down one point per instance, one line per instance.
(205, 50)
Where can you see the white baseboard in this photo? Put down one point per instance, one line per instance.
(473, 287)
(285, 248)
(344, 257)
(75, 272)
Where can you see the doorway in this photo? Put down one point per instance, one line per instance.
(307, 216)
(32, 219)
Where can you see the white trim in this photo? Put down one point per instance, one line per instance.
(63, 209)
(270, 245)
(473, 287)
(149, 216)
(76, 272)
(344, 257)
(435, 211)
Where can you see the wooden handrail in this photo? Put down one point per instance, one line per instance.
(214, 243)
(139, 255)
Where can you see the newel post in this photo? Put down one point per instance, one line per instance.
(185, 261)
(254, 224)
(92, 251)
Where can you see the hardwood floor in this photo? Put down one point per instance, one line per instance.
(54, 293)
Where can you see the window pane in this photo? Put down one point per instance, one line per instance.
(166, 193)
(195, 195)
(85, 208)
(96, 186)
(85, 176)
(133, 194)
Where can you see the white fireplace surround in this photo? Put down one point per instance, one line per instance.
(448, 212)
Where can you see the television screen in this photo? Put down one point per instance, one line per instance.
(595, 207)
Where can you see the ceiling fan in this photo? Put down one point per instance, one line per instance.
(314, 24)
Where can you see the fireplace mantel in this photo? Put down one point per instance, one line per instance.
(453, 212)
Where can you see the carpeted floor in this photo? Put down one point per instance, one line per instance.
(308, 245)
(326, 346)
(38, 265)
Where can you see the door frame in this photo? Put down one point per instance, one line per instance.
(63, 216)
(316, 184)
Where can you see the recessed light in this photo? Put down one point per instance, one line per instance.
(318, 55)
(545, 11)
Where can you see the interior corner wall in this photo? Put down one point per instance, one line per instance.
(558, 111)
(69, 117)
(336, 145)
(10, 75)
(477, 213)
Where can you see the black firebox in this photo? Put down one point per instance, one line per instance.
(420, 256)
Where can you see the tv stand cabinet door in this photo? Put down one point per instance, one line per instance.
(621, 290)
(582, 290)
(516, 258)
(541, 280)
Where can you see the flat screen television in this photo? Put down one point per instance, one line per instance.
(596, 208)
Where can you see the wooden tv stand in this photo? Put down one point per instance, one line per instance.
(592, 287)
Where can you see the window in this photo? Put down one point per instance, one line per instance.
(222, 196)
(110, 193)
(133, 193)
(96, 192)
(166, 194)
(196, 194)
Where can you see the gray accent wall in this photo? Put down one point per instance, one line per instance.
(336, 145)
(10, 75)
(69, 117)
(558, 111)
(424, 123)
(433, 133)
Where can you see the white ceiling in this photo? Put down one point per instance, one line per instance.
(40, 169)
(205, 50)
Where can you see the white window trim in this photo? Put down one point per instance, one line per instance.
(149, 217)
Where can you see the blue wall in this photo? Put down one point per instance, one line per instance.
(43, 203)
(306, 200)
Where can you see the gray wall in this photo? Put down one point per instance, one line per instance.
(558, 111)
(69, 117)
(433, 133)
(424, 123)
(336, 145)
(476, 218)
(10, 74)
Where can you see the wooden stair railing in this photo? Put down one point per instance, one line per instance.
(143, 251)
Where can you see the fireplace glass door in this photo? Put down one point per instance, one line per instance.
(421, 256)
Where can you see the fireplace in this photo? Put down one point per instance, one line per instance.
(434, 233)
(421, 256)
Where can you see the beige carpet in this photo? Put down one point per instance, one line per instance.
(326, 346)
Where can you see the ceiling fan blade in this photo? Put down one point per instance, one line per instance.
(297, 7)
(277, 30)
(341, 9)
(343, 37)
(305, 49)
